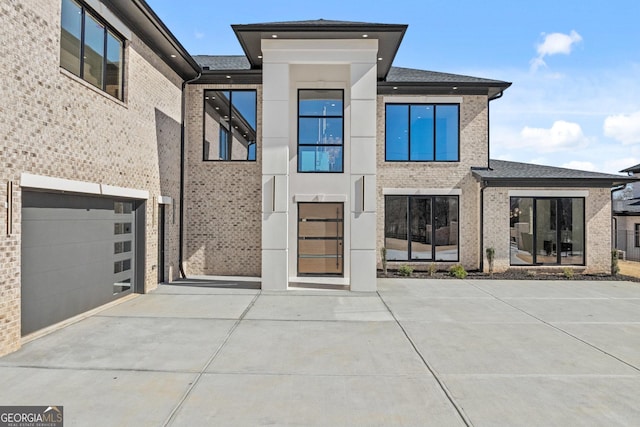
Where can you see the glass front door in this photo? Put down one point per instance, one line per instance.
(320, 238)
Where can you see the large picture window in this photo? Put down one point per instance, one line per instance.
(422, 132)
(547, 231)
(230, 125)
(90, 49)
(421, 228)
(320, 129)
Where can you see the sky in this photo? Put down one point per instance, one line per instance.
(574, 65)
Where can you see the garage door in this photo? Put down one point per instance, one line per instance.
(78, 252)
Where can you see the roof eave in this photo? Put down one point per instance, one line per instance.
(550, 182)
(150, 28)
(437, 88)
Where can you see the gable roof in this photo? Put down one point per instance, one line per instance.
(389, 36)
(504, 173)
(402, 81)
(409, 79)
(633, 169)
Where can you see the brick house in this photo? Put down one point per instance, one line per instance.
(127, 162)
(626, 220)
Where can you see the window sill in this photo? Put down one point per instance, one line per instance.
(88, 85)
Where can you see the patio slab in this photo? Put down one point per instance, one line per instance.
(318, 348)
(301, 400)
(183, 306)
(106, 342)
(548, 400)
(503, 348)
(97, 397)
(319, 307)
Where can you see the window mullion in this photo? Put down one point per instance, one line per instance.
(104, 59)
(82, 28)
(435, 142)
(409, 254)
(409, 132)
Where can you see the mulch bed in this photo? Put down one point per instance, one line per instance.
(517, 274)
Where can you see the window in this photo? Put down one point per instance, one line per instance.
(421, 228)
(637, 235)
(547, 231)
(320, 128)
(90, 49)
(230, 125)
(422, 132)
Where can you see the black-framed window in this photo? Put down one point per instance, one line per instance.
(320, 130)
(230, 125)
(422, 132)
(637, 235)
(90, 49)
(421, 228)
(547, 231)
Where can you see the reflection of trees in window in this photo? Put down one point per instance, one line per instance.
(432, 233)
(230, 125)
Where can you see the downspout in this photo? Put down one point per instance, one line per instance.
(182, 173)
(498, 96)
(482, 187)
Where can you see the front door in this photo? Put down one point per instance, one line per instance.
(320, 239)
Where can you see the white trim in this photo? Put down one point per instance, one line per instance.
(423, 99)
(320, 198)
(110, 190)
(59, 184)
(321, 280)
(28, 180)
(165, 200)
(422, 191)
(548, 193)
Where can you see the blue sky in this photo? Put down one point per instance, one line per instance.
(575, 65)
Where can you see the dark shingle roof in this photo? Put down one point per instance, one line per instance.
(526, 172)
(626, 206)
(317, 23)
(223, 62)
(635, 168)
(411, 75)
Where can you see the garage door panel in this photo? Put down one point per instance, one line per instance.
(73, 251)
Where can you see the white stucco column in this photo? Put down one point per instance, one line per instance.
(363, 172)
(275, 173)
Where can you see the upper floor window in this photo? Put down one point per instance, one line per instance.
(320, 129)
(230, 125)
(90, 49)
(422, 132)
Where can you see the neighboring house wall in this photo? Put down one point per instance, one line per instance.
(56, 125)
(223, 221)
(435, 178)
(625, 236)
(597, 224)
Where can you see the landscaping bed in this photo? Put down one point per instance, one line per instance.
(513, 274)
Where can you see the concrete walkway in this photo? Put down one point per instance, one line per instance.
(418, 353)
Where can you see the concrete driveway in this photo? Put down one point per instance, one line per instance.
(417, 353)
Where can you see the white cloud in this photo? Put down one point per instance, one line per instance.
(624, 128)
(617, 165)
(561, 136)
(554, 44)
(576, 164)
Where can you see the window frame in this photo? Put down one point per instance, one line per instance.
(108, 29)
(432, 198)
(342, 146)
(230, 132)
(636, 235)
(435, 140)
(555, 228)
